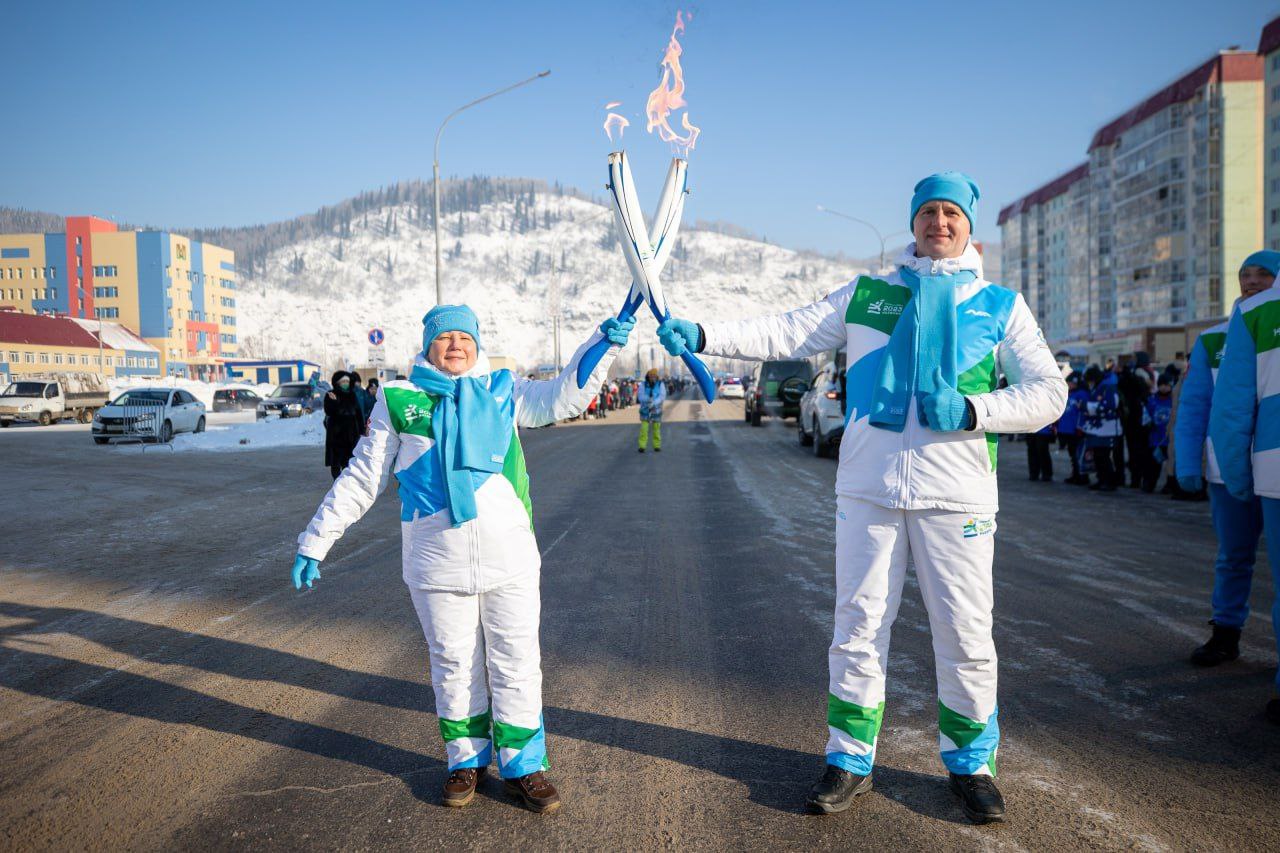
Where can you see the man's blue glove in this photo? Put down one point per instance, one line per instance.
(1194, 483)
(677, 335)
(305, 569)
(617, 330)
(946, 409)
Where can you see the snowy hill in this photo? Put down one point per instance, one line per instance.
(318, 297)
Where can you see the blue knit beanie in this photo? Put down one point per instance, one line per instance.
(1268, 260)
(449, 318)
(956, 187)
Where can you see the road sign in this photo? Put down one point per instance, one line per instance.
(377, 355)
(376, 337)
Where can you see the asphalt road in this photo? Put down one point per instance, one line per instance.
(163, 687)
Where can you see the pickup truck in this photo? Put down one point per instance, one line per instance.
(47, 400)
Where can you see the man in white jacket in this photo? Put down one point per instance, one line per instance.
(470, 559)
(916, 484)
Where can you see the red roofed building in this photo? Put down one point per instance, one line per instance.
(1151, 230)
(35, 343)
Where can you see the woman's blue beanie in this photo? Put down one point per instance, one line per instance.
(449, 318)
(956, 187)
(1267, 259)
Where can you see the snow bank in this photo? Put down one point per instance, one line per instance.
(306, 431)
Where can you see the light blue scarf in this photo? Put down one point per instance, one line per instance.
(470, 432)
(923, 339)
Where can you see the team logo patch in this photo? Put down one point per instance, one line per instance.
(414, 413)
(976, 313)
(979, 525)
(883, 308)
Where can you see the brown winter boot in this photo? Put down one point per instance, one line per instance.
(460, 788)
(535, 791)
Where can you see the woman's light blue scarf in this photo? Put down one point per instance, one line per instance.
(470, 432)
(924, 339)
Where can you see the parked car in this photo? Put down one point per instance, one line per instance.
(291, 400)
(48, 399)
(821, 421)
(732, 387)
(235, 400)
(776, 389)
(168, 410)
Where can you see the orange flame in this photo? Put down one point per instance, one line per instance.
(613, 122)
(669, 95)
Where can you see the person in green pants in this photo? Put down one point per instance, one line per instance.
(653, 393)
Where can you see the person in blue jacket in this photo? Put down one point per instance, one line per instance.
(1100, 423)
(1069, 427)
(1244, 420)
(1237, 522)
(1156, 413)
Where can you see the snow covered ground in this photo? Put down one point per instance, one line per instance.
(247, 435)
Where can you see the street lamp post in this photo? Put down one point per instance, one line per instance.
(435, 166)
(879, 236)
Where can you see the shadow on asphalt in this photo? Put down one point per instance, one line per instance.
(775, 777)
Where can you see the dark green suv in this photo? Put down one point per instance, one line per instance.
(776, 388)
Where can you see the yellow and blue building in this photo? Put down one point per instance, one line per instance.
(271, 372)
(177, 294)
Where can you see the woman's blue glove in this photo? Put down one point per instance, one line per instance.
(617, 330)
(946, 409)
(1194, 483)
(305, 569)
(677, 335)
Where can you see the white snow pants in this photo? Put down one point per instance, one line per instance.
(495, 631)
(952, 554)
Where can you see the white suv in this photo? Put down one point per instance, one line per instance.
(821, 421)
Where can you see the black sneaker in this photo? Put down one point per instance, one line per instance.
(979, 797)
(835, 791)
(657, 450)
(641, 449)
(1223, 646)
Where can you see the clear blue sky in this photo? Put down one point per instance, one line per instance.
(234, 113)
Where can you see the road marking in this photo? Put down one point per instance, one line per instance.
(559, 538)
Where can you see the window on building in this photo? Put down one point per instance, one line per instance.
(29, 357)
(57, 358)
(19, 270)
(151, 362)
(1275, 62)
(1275, 215)
(44, 358)
(132, 361)
(13, 357)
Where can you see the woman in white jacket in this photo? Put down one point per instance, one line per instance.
(916, 482)
(470, 558)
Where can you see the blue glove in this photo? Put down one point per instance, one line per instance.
(617, 330)
(305, 569)
(946, 409)
(1194, 483)
(677, 335)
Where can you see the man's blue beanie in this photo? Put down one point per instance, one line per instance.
(956, 187)
(449, 318)
(1267, 259)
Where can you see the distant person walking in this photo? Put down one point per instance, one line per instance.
(1100, 423)
(343, 423)
(652, 394)
(1069, 428)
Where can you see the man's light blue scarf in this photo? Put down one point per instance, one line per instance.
(470, 432)
(924, 339)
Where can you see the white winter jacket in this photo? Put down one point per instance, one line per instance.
(918, 468)
(495, 548)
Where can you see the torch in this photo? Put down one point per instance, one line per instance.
(666, 222)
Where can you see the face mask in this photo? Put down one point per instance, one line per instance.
(344, 385)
